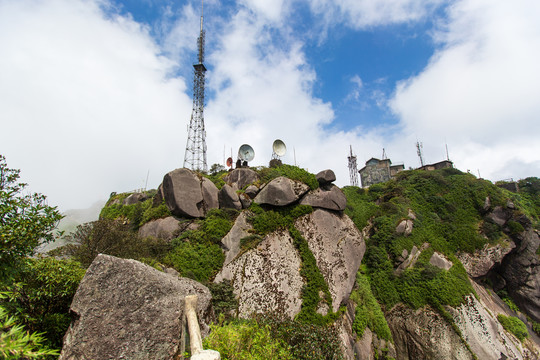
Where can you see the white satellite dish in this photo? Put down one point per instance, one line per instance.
(279, 147)
(246, 153)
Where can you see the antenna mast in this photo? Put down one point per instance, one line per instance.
(353, 169)
(195, 156)
(419, 148)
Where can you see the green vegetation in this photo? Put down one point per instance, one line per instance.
(360, 207)
(17, 343)
(110, 237)
(513, 325)
(368, 312)
(246, 340)
(314, 284)
(224, 302)
(536, 327)
(216, 175)
(41, 296)
(25, 221)
(196, 253)
(288, 171)
(265, 222)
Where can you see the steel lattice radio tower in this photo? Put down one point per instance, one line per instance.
(195, 157)
(353, 169)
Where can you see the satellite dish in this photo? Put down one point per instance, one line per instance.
(246, 153)
(279, 147)
(229, 161)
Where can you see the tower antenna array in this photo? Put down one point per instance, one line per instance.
(353, 169)
(195, 156)
(419, 148)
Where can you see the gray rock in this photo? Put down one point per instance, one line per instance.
(166, 228)
(330, 197)
(245, 200)
(424, 334)
(231, 241)
(405, 227)
(338, 248)
(500, 216)
(127, 310)
(521, 271)
(134, 198)
(182, 192)
(228, 198)
(267, 278)
(411, 259)
(210, 194)
(440, 261)
(411, 215)
(510, 204)
(159, 197)
(480, 262)
(487, 204)
(252, 191)
(239, 178)
(281, 191)
(326, 177)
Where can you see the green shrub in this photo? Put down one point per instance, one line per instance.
(224, 302)
(291, 172)
(514, 325)
(314, 284)
(42, 294)
(515, 227)
(152, 213)
(306, 341)
(359, 207)
(246, 340)
(197, 261)
(134, 213)
(368, 312)
(17, 343)
(265, 222)
(536, 327)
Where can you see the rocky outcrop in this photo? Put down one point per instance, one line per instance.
(239, 178)
(267, 278)
(521, 271)
(440, 261)
(404, 227)
(328, 197)
(124, 309)
(480, 262)
(166, 228)
(338, 248)
(184, 195)
(485, 336)
(135, 198)
(424, 334)
(231, 241)
(228, 198)
(411, 259)
(251, 191)
(281, 191)
(326, 177)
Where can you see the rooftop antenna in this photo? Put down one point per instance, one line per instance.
(294, 152)
(146, 183)
(195, 156)
(353, 168)
(419, 148)
(447, 157)
(384, 157)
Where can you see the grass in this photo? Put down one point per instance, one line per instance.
(514, 325)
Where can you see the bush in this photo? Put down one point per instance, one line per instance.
(42, 295)
(223, 300)
(152, 213)
(291, 172)
(513, 325)
(265, 222)
(197, 261)
(18, 343)
(368, 312)
(246, 340)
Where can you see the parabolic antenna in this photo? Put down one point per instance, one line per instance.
(229, 161)
(279, 147)
(246, 153)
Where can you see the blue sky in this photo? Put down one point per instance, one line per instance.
(96, 94)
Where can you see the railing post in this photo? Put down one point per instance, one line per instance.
(195, 339)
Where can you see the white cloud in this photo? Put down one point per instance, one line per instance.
(87, 105)
(368, 13)
(480, 90)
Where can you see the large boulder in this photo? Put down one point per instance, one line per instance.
(124, 309)
(521, 271)
(188, 195)
(267, 279)
(480, 262)
(231, 242)
(135, 198)
(166, 228)
(326, 177)
(228, 198)
(338, 248)
(281, 191)
(328, 197)
(239, 178)
(424, 334)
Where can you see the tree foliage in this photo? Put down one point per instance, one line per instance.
(25, 220)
